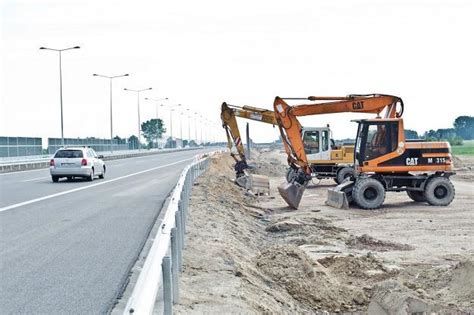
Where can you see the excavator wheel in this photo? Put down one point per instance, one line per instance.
(439, 191)
(291, 175)
(368, 193)
(344, 173)
(417, 196)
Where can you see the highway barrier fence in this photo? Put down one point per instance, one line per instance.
(164, 261)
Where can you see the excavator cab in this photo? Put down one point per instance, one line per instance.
(375, 138)
(316, 142)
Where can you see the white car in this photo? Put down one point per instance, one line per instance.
(73, 162)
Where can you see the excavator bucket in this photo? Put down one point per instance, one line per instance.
(242, 181)
(292, 193)
(341, 195)
(256, 184)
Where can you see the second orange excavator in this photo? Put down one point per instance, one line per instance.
(326, 159)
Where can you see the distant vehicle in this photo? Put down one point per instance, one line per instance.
(73, 162)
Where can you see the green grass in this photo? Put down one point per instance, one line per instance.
(467, 148)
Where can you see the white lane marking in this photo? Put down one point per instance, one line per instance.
(33, 179)
(17, 205)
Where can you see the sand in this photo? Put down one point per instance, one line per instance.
(247, 254)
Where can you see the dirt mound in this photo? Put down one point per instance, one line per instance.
(457, 162)
(272, 168)
(391, 297)
(451, 286)
(358, 270)
(367, 242)
(284, 225)
(291, 268)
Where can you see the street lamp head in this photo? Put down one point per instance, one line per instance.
(125, 89)
(42, 47)
(126, 75)
(95, 74)
(149, 88)
(76, 47)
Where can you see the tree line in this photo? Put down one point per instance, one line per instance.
(463, 129)
(152, 130)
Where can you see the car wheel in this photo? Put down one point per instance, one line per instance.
(103, 173)
(439, 191)
(55, 179)
(368, 193)
(91, 176)
(417, 196)
(344, 173)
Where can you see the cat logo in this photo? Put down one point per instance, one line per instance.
(358, 105)
(412, 161)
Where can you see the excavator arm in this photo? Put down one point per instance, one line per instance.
(229, 114)
(290, 129)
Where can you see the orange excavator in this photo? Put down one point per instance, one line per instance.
(229, 123)
(383, 159)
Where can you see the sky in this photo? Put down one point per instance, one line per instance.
(202, 53)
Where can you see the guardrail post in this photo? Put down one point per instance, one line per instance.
(184, 201)
(174, 265)
(181, 205)
(179, 236)
(167, 286)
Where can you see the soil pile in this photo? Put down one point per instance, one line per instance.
(367, 242)
(311, 285)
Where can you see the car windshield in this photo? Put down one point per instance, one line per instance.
(69, 154)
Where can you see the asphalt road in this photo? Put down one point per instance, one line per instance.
(67, 247)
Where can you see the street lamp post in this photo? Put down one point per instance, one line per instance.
(61, 85)
(138, 106)
(189, 127)
(111, 123)
(202, 117)
(171, 108)
(156, 112)
(195, 126)
(156, 105)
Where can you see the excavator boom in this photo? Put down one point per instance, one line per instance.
(229, 122)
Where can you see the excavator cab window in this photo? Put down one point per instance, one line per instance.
(325, 140)
(375, 139)
(311, 141)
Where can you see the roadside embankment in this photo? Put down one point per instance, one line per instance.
(247, 254)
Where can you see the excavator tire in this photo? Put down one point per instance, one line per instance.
(344, 173)
(439, 191)
(291, 174)
(368, 193)
(417, 196)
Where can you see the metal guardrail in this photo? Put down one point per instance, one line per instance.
(47, 157)
(164, 261)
